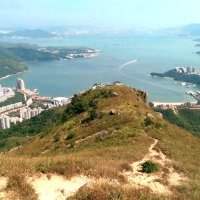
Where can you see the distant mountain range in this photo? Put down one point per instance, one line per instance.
(47, 33)
(27, 33)
(188, 30)
(191, 29)
(35, 33)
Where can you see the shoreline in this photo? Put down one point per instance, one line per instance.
(7, 76)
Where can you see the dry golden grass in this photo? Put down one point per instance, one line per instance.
(103, 191)
(19, 188)
(98, 161)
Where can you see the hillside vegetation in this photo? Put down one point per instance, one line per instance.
(106, 135)
(184, 118)
(9, 63)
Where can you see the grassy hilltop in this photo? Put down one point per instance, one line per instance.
(103, 133)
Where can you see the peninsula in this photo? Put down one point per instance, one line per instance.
(14, 57)
(183, 74)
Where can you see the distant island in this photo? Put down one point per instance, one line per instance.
(183, 74)
(198, 52)
(27, 33)
(197, 45)
(13, 57)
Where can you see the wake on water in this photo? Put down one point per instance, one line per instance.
(121, 67)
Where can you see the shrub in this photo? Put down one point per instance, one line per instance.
(79, 105)
(158, 125)
(70, 136)
(149, 167)
(93, 114)
(56, 138)
(148, 121)
(85, 103)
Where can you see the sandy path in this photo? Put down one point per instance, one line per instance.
(56, 187)
(154, 181)
(3, 185)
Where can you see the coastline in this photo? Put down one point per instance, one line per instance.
(7, 76)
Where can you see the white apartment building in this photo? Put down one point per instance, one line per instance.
(4, 122)
(10, 107)
(28, 113)
(6, 93)
(20, 84)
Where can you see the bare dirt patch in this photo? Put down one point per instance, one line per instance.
(3, 185)
(55, 187)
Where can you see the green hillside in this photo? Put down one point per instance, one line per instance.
(9, 63)
(184, 118)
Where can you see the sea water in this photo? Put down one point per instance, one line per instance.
(129, 59)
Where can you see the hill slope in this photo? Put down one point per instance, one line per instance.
(9, 63)
(185, 118)
(111, 143)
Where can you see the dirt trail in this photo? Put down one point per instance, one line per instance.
(159, 182)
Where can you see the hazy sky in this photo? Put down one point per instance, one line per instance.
(109, 13)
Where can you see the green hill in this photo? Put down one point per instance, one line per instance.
(9, 63)
(108, 134)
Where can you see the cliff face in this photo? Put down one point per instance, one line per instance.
(110, 140)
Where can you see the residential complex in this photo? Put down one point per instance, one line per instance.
(188, 70)
(31, 105)
(6, 93)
